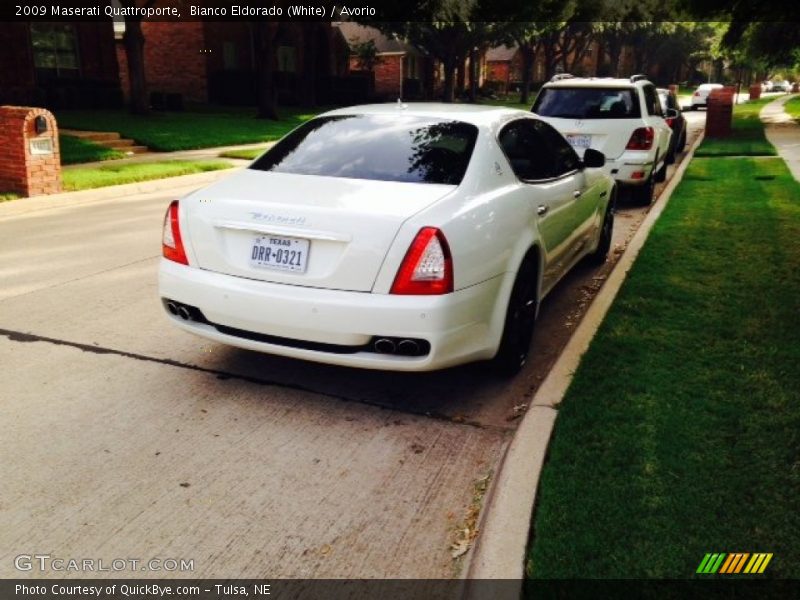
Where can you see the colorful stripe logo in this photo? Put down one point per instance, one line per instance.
(734, 563)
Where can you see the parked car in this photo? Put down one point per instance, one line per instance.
(781, 86)
(678, 122)
(767, 86)
(622, 118)
(388, 237)
(700, 96)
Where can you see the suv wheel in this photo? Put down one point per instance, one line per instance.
(643, 194)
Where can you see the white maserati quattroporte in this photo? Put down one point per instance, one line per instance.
(400, 237)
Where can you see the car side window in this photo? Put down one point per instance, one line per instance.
(651, 101)
(566, 160)
(536, 151)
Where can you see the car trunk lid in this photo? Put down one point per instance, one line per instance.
(331, 232)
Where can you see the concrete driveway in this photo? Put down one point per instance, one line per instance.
(125, 438)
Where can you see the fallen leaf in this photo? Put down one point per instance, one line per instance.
(459, 548)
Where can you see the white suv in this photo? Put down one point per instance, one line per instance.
(622, 118)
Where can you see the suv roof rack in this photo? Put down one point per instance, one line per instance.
(638, 77)
(561, 76)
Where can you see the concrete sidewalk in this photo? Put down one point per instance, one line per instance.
(783, 132)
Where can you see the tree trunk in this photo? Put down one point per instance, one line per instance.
(134, 52)
(527, 68)
(449, 80)
(461, 76)
(473, 75)
(265, 32)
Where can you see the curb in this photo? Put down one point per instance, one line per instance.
(22, 206)
(500, 549)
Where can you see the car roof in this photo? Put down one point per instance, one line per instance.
(595, 82)
(710, 85)
(476, 114)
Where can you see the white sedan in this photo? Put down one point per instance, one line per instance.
(399, 237)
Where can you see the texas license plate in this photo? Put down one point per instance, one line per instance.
(579, 141)
(281, 253)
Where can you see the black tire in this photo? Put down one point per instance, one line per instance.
(682, 141)
(643, 194)
(660, 176)
(520, 320)
(598, 257)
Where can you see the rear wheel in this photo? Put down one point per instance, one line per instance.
(643, 194)
(520, 320)
(661, 175)
(598, 257)
(682, 141)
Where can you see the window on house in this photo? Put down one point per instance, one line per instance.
(55, 48)
(287, 57)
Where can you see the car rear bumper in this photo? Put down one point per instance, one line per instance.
(630, 168)
(307, 320)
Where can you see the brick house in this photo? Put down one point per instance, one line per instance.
(59, 65)
(215, 62)
(400, 70)
(504, 68)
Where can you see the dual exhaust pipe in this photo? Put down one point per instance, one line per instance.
(179, 310)
(184, 311)
(401, 346)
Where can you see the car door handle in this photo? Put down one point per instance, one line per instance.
(577, 193)
(542, 210)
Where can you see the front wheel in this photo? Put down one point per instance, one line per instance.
(520, 319)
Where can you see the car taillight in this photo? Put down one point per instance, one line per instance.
(696, 94)
(641, 139)
(427, 268)
(171, 243)
(670, 122)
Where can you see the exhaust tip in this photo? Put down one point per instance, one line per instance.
(184, 314)
(408, 348)
(172, 308)
(384, 346)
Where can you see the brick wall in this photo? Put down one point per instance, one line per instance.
(719, 112)
(21, 171)
(389, 76)
(175, 59)
(498, 71)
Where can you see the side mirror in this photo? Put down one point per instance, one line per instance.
(593, 159)
(670, 113)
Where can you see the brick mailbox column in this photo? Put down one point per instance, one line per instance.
(755, 91)
(795, 88)
(31, 162)
(720, 112)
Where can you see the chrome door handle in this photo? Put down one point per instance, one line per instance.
(542, 209)
(577, 193)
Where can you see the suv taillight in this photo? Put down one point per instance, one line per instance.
(427, 268)
(641, 139)
(171, 243)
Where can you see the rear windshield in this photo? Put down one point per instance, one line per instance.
(587, 103)
(379, 147)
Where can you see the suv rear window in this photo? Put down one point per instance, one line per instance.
(379, 147)
(587, 103)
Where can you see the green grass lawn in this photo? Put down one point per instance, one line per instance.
(680, 433)
(511, 101)
(747, 136)
(8, 196)
(246, 154)
(111, 174)
(188, 130)
(793, 107)
(75, 150)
